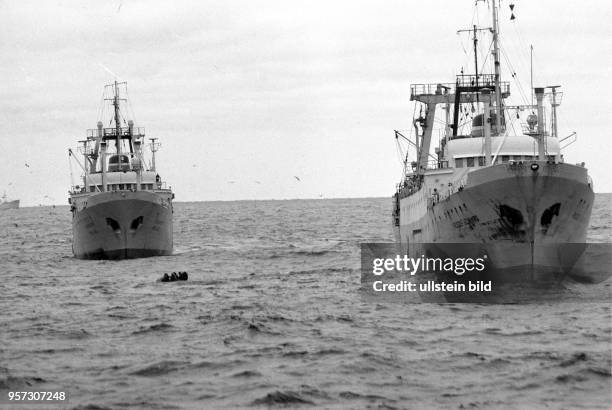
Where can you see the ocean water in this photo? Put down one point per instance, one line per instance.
(272, 316)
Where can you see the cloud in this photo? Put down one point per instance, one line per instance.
(259, 90)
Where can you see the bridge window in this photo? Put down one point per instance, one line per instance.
(470, 161)
(505, 158)
(458, 162)
(481, 161)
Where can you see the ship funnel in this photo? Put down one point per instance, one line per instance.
(100, 126)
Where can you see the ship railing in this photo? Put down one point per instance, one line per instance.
(431, 89)
(436, 196)
(112, 132)
(483, 81)
(470, 80)
(145, 186)
(77, 189)
(407, 189)
(117, 187)
(433, 164)
(464, 81)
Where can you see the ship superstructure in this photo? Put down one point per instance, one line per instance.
(122, 208)
(497, 178)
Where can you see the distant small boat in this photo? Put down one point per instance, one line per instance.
(5, 203)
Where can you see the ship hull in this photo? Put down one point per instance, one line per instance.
(9, 205)
(531, 224)
(122, 225)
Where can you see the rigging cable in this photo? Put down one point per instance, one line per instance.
(410, 134)
(526, 62)
(405, 167)
(485, 57)
(400, 155)
(132, 112)
(515, 76)
(101, 106)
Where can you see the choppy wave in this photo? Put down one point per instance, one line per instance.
(272, 317)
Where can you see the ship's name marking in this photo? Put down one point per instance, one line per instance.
(471, 222)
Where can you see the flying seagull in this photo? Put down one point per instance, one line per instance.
(297, 178)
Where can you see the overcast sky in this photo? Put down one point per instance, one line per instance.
(263, 91)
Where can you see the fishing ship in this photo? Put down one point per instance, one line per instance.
(6, 203)
(497, 183)
(121, 208)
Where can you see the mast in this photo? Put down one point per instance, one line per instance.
(498, 102)
(476, 55)
(117, 123)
